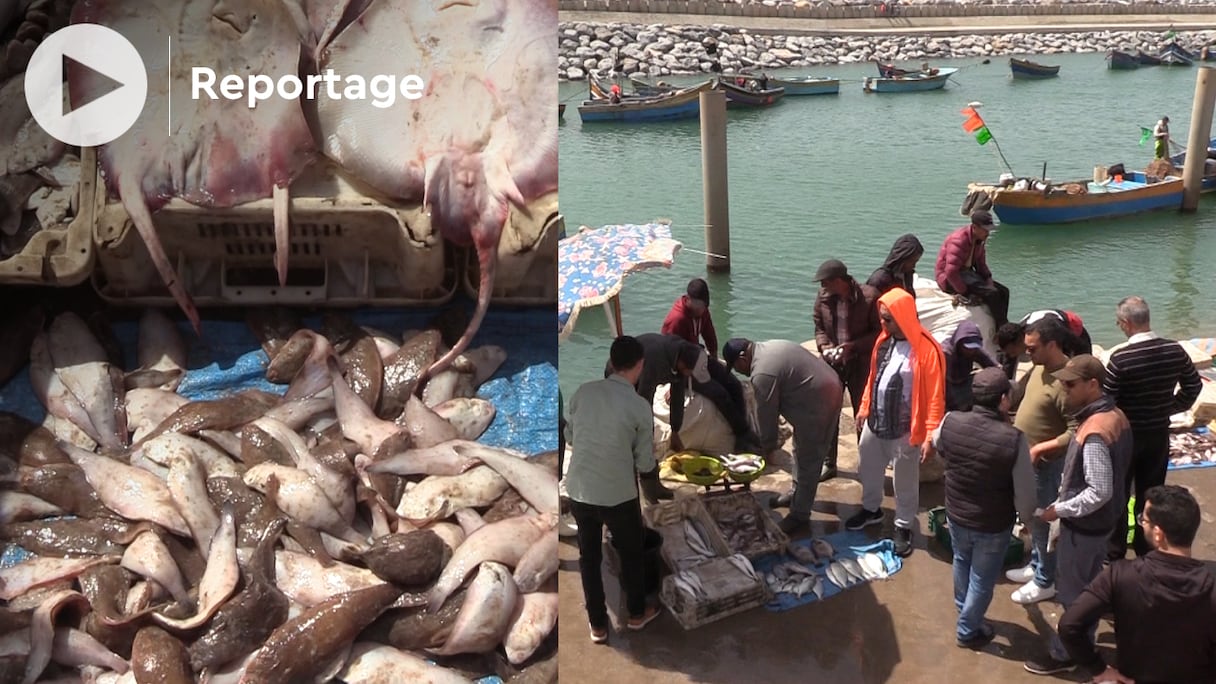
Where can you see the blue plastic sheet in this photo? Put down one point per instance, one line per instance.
(227, 358)
(847, 544)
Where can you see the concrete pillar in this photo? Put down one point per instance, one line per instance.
(713, 180)
(1197, 141)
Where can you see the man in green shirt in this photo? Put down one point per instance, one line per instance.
(611, 430)
(1044, 417)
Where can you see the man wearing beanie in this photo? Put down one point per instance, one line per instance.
(793, 383)
(903, 404)
(988, 479)
(1087, 508)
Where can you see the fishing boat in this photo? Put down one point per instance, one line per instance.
(891, 71)
(918, 82)
(1027, 70)
(1122, 61)
(1176, 55)
(1209, 175)
(1030, 202)
(644, 89)
(1146, 59)
(680, 104)
(739, 97)
(807, 85)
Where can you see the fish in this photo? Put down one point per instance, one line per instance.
(439, 496)
(803, 554)
(272, 326)
(534, 482)
(823, 549)
(301, 647)
(298, 495)
(818, 588)
(131, 492)
(20, 507)
(374, 663)
(874, 564)
(486, 612)
(538, 564)
(408, 559)
(851, 566)
(148, 556)
(503, 542)
(534, 618)
(214, 414)
(161, 347)
(38, 572)
(158, 656)
(471, 417)
(468, 170)
(441, 459)
(204, 151)
(838, 575)
(404, 371)
(306, 581)
(80, 362)
(425, 427)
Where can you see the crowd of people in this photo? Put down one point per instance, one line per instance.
(1062, 446)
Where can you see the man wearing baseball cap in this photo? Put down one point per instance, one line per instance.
(793, 383)
(669, 359)
(846, 325)
(962, 268)
(1087, 508)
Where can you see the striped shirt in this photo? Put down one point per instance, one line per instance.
(1141, 377)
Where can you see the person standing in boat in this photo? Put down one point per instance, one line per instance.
(1161, 137)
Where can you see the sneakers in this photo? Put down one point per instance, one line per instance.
(789, 524)
(599, 636)
(1048, 665)
(782, 501)
(637, 623)
(1020, 575)
(978, 641)
(903, 542)
(863, 519)
(1032, 593)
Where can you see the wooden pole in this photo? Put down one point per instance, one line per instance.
(713, 180)
(1197, 143)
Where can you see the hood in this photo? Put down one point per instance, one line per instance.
(905, 246)
(903, 308)
(1167, 578)
(965, 330)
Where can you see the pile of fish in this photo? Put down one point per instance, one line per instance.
(718, 579)
(1192, 448)
(352, 528)
(39, 175)
(742, 464)
(744, 529)
(695, 548)
(796, 579)
(481, 139)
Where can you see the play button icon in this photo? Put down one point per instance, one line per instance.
(109, 110)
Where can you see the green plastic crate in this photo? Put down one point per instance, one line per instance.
(1014, 555)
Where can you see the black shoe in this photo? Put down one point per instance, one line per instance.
(652, 489)
(789, 524)
(978, 641)
(903, 542)
(1047, 665)
(782, 501)
(828, 473)
(863, 519)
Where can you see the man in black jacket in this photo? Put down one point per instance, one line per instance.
(988, 479)
(1164, 603)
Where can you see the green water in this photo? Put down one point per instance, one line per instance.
(842, 176)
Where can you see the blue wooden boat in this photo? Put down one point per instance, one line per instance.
(738, 97)
(1176, 55)
(644, 89)
(891, 71)
(1209, 179)
(1062, 203)
(1146, 59)
(918, 82)
(1026, 69)
(681, 104)
(807, 85)
(1122, 61)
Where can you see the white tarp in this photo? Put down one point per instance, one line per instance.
(941, 317)
(704, 429)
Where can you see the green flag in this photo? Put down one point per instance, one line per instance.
(982, 136)
(1171, 34)
(1145, 134)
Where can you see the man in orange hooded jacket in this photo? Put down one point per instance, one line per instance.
(903, 403)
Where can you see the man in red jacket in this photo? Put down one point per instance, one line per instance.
(962, 267)
(689, 317)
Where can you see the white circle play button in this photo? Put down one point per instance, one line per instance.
(110, 111)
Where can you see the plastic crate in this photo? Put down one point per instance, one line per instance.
(61, 256)
(726, 506)
(527, 257)
(1014, 555)
(667, 518)
(728, 589)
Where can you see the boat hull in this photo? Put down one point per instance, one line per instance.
(1024, 70)
(683, 104)
(908, 84)
(1122, 61)
(1031, 207)
(810, 86)
(742, 98)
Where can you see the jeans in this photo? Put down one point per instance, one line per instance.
(624, 521)
(978, 558)
(1047, 489)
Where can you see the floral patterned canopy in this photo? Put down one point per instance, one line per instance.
(593, 263)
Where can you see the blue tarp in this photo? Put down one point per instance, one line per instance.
(847, 544)
(227, 358)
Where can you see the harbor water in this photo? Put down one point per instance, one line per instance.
(841, 176)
